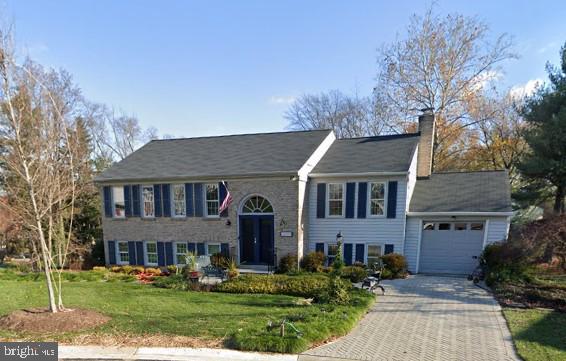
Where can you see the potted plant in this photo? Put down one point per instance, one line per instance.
(191, 266)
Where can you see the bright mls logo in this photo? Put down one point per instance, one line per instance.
(44, 351)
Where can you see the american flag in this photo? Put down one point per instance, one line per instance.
(227, 200)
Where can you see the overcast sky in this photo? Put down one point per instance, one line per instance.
(220, 67)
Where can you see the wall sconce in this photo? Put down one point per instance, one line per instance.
(228, 222)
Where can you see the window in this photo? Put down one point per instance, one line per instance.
(123, 254)
(476, 226)
(179, 200)
(119, 204)
(213, 248)
(148, 209)
(377, 199)
(180, 252)
(443, 226)
(460, 226)
(212, 200)
(428, 226)
(257, 204)
(335, 199)
(151, 253)
(374, 252)
(332, 250)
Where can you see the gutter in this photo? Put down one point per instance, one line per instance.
(203, 177)
(434, 214)
(363, 174)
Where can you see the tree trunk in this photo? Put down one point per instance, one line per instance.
(47, 269)
(559, 200)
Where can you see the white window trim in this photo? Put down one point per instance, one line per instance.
(114, 203)
(143, 200)
(213, 244)
(343, 200)
(368, 205)
(366, 251)
(118, 257)
(146, 262)
(206, 201)
(173, 200)
(176, 253)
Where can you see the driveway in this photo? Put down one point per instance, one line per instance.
(426, 318)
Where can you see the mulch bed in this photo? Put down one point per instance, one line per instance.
(41, 320)
(531, 296)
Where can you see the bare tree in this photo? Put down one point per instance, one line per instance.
(348, 116)
(40, 157)
(442, 63)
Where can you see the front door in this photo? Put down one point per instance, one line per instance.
(256, 239)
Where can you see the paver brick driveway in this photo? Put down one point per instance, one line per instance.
(426, 318)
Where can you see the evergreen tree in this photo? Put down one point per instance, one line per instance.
(545, 113)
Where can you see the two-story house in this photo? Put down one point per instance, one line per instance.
(295, 192)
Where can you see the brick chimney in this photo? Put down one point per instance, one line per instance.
(426, 143)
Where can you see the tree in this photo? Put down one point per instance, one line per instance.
(347, 116)
(444, 64)
(545, 113)
(41, 158)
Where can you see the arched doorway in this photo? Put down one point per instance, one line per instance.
(256, 231)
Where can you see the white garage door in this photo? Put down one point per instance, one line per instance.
(450, 247)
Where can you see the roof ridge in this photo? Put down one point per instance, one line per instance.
(386, 137)
(242, 135)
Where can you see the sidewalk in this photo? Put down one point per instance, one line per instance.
(164, 353)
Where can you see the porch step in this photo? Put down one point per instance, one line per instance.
(258, 269)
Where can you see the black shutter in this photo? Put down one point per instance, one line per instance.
(169, 253)
(132, 252)
(362, 199)
(166, 199)
(320, 200)
(360, 253)
(160, 254)
(200, 249)
(222, 192)
(199, 202)
(350, 199)
(191, 247)
(392, 199)
(319, 247)
(348, 253)
(111, 252)
(157, 200)
(139, 253)
(225, 250)
(107, 201)
(189, 200)
(136, 197)
(389, 248)
(128, 200)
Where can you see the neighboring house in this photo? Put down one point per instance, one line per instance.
(294, 192)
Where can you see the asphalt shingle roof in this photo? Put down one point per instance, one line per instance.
(233, 155)
(483, 191)
(389, 153)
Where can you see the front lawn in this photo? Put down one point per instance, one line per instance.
(538, 334)
(236, 320)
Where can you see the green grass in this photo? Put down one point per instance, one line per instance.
(538, 334)
(239, 320)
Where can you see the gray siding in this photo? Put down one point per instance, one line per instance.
(497, 230)
(412, 242)
(368, 230)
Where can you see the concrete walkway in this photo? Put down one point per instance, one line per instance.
(426, 318)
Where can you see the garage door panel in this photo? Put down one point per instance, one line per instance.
(450, 251)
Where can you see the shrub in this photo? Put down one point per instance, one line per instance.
(395, 263)
(176, 282)
(99, 269)
(503, 264)
(136, 270)
(288, 264)
(313, 262)
(302, 285)
(218, 260)
(337, 291)
(386, 274)
(116, 269)
(354, 273)
(126, 269)
(153, 271)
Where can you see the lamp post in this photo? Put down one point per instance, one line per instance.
(339, 238)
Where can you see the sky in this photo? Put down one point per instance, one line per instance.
(195, 68)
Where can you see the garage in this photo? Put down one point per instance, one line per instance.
(450, 247)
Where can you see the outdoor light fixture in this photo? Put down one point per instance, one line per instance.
(339, 237)
(228, 222)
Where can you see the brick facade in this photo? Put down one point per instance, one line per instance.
(282, 192)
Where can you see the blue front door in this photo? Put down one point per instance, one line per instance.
(256, 239)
